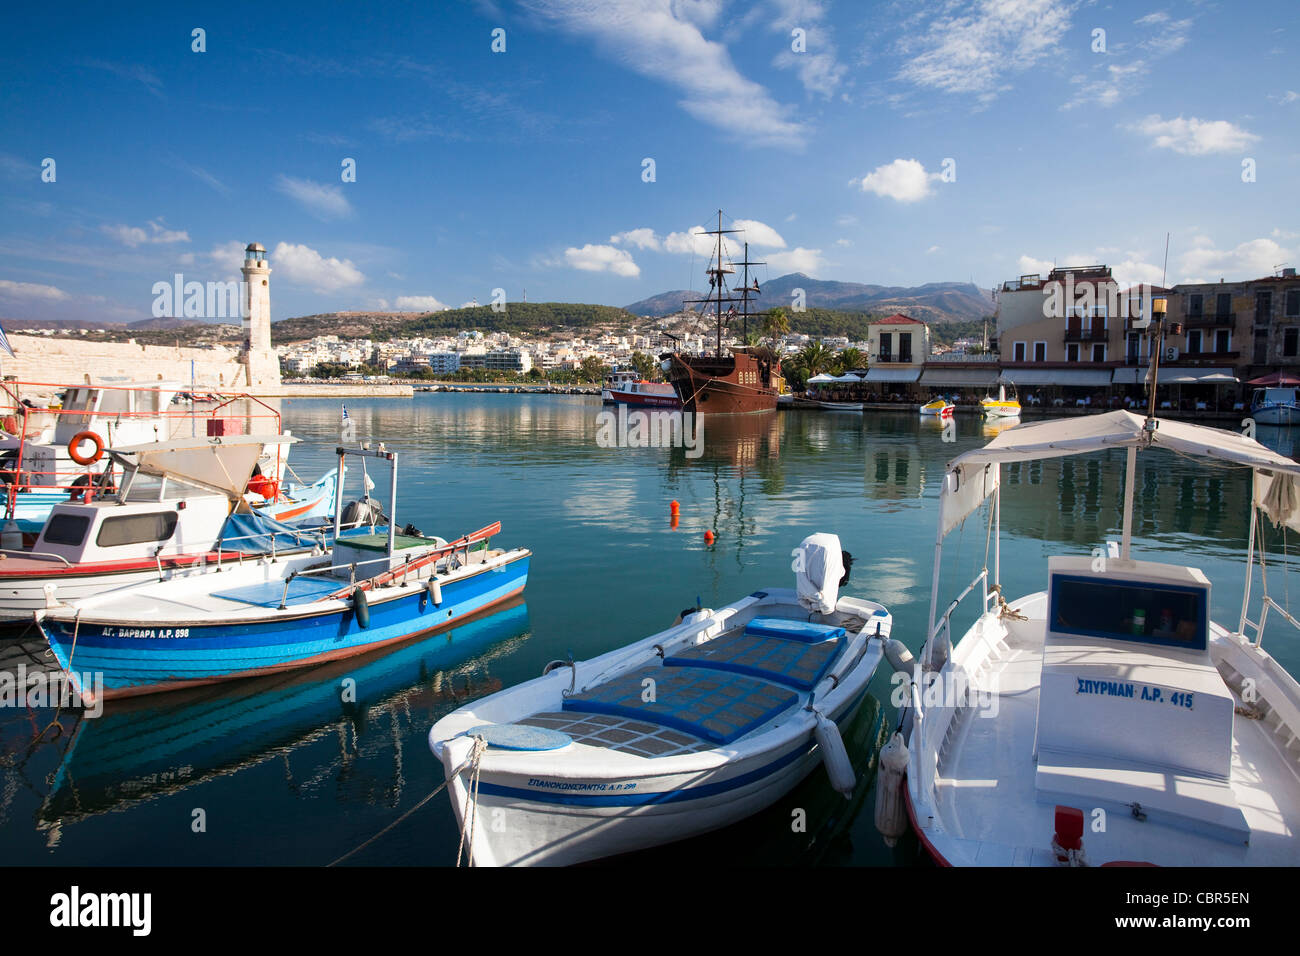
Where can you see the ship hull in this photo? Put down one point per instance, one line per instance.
(735, 385)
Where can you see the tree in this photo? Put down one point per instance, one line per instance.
(775, 324)
(592, 369)
(645, 366)
(851, 358)
(815, 358)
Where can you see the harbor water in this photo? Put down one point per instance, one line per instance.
(304, 767)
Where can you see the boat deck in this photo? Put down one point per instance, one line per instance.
(703, 696)
(986, 797)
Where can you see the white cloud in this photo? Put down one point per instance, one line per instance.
(692, 240)
(1194, 137)
(228, 256)
(1151, 19)
(1116, 83)
(420, 303)
(808, 261)
(1028, 265)
(302, 265)
(759, 234)
(31, 290)
(933, 249)
(641, 238)
(320, 200)
(135, 236)
(592, 258)
(657, 39)
(970, 49)
(843, 242)
(1252, 259)
(1290, 96)
(817, 67)
(904, 180)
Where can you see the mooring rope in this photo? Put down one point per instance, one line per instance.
(471, 761)
(471, 803)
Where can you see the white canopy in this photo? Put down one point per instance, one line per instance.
(877, 374)
(821, 379)
(972, 477)
(222, 464)
(847, 378)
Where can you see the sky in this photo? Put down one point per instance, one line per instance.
(424, 155)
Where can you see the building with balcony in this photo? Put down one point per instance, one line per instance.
(897, 349)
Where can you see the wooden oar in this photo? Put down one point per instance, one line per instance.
(384, 577)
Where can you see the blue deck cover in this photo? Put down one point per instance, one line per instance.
(805, 631)
(302, 590)
(790, 663)
(717, 707)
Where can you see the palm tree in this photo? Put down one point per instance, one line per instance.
(816, 358)
(851, 358)
(775, 324)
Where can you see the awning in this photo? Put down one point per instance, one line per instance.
(848, 378)
(893, 374)
(821, 379)
(960, 377)
(972, 477)
(1135, 375)
(221, 464)
(1277, 378)
(1078, 377)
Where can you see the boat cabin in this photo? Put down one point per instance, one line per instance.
(158, 517)
(1273, 396)
(1132, 712)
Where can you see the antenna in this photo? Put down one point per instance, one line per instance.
(1165, 268)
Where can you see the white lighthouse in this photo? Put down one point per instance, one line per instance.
(259, 358)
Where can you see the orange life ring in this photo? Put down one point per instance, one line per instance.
(75, 443)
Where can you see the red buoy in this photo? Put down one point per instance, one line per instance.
(708, 537)
(674, 508)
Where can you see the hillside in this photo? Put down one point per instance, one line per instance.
(932, 302)
(519, 318)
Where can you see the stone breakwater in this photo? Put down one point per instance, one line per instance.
(515, 389)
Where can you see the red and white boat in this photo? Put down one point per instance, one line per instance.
(647, 394)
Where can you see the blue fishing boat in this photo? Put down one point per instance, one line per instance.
(274, 613)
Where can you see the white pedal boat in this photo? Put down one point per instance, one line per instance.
(683, 732)
(1107, 719)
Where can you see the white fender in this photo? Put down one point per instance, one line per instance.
(435, 592)
(891, 814)
(836, 758)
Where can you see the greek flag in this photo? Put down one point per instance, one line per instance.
(4, 343)
(345, 414)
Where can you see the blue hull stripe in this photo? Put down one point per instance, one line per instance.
(214, 652)
(667, 796)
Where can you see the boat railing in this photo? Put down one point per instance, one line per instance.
(314, 536)
(944, 624)
(43, 555)
(1266, 602)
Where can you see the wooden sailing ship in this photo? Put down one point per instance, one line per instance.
(740, 379)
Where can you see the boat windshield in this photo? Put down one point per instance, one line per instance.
(156, 488)
(1137, 611)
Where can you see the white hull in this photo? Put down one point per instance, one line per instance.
(1276, 414)
(584, 802)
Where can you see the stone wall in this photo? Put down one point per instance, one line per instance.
(69, 361)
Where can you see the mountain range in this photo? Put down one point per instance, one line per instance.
(932, 302)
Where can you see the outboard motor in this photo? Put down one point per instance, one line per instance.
(819, 570)
(364, 511)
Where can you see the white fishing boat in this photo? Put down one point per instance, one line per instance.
(1275, 406)
(177, 508)
(682, 732)
(1105, 719)
(841, 406)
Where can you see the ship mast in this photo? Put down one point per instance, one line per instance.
(716, 282)
(745, 290)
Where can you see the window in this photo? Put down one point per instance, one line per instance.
(905, 346)
(1223, 306)
(1223, 341)
(886, 346)
(1293, 302)
(1072, 352)
(1289, 338)
(135, 529)
(1146, 612)
(1019, 352)
(1195, 305)
(1040, 351)
(1099, 352)
(1194, 340)
(66, 529)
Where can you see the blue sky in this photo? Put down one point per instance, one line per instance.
(523, 169)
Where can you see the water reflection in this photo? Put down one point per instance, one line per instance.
(151, 747)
